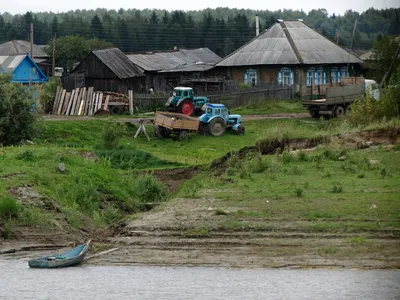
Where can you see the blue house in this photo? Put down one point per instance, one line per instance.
(22, 68)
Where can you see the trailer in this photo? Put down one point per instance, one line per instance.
(180, 125)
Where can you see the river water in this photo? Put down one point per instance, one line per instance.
(17, 281)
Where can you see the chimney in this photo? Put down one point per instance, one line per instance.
(175, 47)
(257, 26)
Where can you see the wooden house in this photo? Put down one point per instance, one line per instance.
(165, 70)
(289, 54)
(105, 70)
(22, 68)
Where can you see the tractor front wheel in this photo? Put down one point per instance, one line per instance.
(186, 107)
(240, 130)
(217, 127)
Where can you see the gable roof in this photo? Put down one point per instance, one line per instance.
(19, 47)
(286, 43)
(182, 60)
(23, 68)
(118, 63)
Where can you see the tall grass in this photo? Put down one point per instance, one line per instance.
(8, 207)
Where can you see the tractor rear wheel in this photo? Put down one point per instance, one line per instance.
(186, 107)
(217, 127)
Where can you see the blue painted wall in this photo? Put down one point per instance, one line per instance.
(28, 72)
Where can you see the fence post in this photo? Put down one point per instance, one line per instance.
(130, 94)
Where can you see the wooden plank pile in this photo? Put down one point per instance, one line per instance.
(80, 102)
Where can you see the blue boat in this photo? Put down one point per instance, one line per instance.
(67, 259)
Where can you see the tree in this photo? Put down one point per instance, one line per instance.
(69, 50)
(97, 28)
(16, 118)
(54, 26)
(383, 54)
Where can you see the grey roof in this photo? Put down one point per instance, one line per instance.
(188, 60)
(286, 43)
(19, 47)
(118, 62)
(10, 62)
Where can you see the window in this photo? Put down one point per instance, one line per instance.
(185, 93)
(285, 77)
(310, 76)
(250, 77)
(217, 111)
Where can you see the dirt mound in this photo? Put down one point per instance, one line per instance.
(28, 197)
(173, 178)
(358, 140)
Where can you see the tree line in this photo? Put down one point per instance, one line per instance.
(222, 29)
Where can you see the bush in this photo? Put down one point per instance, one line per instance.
(8, 207)
(369, 110)
(148, 189)
(47, 94)
(16, 116)
(112, 134)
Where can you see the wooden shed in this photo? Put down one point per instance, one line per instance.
(105, 70)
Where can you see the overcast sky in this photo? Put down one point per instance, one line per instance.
(333, 6)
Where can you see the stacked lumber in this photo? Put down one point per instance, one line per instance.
(79, 102)
(351, 80)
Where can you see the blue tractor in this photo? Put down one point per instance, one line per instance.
(216, 119)
(183, 101)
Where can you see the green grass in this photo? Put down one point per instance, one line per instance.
(309, 200)
(267, 107)
(8, 207)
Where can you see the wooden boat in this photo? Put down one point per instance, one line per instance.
(67, 259)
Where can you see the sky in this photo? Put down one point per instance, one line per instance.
(332, 6)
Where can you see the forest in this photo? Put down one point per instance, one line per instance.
(222, 29)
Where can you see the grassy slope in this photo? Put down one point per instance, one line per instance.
(317, 191)
(97, 190)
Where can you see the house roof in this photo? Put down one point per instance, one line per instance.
(182, 60)
(118, 63)
(287, 43)
(19, 47)
(29, 71)
(10, 62)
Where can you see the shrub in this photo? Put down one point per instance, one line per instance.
(337, 188)
(112, 134)
(9, 207)
(7, 230)
(299, 192)
(16, 116)
(47, 94)
(148, 189)
(26, 155)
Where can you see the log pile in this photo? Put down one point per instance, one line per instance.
(84, 101)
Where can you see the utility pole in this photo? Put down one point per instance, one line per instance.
(352, 41)
(32, 40)
(257, 26)
(54, 54)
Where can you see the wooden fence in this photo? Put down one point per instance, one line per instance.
(151, 102)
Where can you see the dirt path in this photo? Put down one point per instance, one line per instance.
(189, 232)
(149, 118)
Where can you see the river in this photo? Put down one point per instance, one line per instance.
(17, 281)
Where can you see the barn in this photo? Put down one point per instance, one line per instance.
(105, 70)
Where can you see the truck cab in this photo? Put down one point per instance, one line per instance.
(372, 88)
